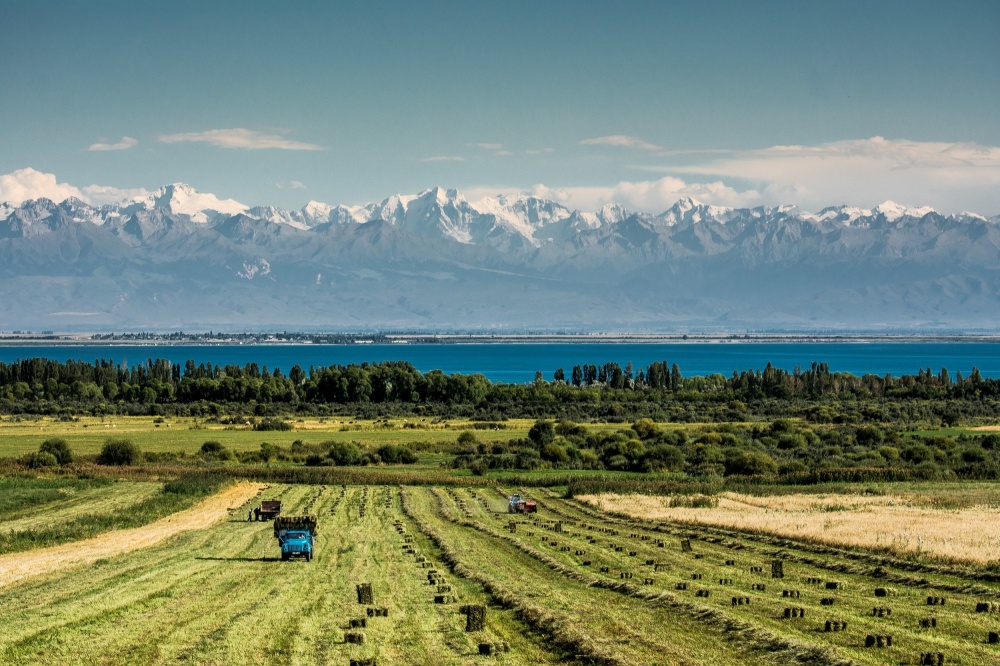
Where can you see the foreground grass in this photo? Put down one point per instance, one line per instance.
(221, 596)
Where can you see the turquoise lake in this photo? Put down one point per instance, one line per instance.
(517, 363)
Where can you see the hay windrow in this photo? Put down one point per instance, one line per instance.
(540, 619)
(746, 633)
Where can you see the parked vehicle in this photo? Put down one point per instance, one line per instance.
(296, 535)
(269, 509)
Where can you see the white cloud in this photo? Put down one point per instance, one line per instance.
(239, 138)
(24, 184)
(291, 185)
(650, 196)
(443, 158)
(948, 176)
(126, 143)
(496, 148)
(621, 141)
(100, 195)
(541, 151)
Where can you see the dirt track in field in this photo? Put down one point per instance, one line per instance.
(16, 567)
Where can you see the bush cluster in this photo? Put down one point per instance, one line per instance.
(782, 448)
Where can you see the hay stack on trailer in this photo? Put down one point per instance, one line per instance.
(291, 523)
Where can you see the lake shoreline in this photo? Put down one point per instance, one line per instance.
(251, 339)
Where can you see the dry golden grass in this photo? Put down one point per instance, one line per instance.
(891, 522)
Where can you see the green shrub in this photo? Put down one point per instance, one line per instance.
(212, 451)
(39, 460)
(268, 452)
(272, 424)
(59, 448)
(542, 433)
(119, 452)
(390, 453)
(991, 441)
(466, 438)
(750, 463)
(646, 429)
(212, 448)
(345, 453)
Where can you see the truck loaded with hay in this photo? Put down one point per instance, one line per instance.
(296, 536)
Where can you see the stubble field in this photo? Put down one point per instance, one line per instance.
(894, 523)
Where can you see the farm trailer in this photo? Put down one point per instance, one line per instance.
(268, 509)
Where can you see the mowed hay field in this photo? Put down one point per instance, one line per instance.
(221, 595)
(571, 584)
(901, 524)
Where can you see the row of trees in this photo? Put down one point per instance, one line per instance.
(607, 391)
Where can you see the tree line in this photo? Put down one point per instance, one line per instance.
(607, 391)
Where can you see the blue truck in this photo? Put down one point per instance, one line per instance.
(296, 535)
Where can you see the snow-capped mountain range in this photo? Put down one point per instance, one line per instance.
(434, 260)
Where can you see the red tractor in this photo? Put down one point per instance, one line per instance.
(518, 504)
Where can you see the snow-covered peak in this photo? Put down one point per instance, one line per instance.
(966, 215)
(852, 215)
(843, 214)
(522, 213)
(316, 210)
(277, 215)
(612, 213)
(181, 199)
(691, 210)
(685, 204)
(892, 211)
(440, 197)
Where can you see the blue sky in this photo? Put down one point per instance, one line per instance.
(734, 103)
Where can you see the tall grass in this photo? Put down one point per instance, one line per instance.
(18, 493)
(176, 495)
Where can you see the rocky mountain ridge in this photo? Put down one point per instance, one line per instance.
(178, 258)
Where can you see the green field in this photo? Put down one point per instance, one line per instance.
(186, 435)
(570, 585)
(86, 435)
